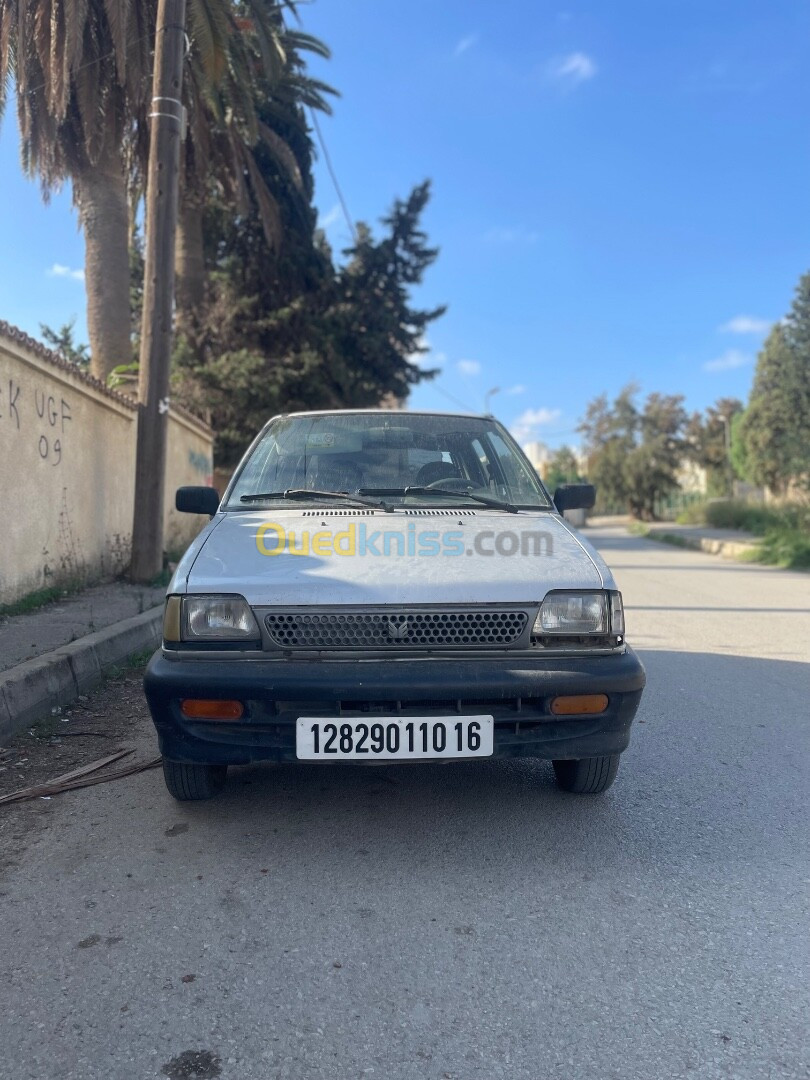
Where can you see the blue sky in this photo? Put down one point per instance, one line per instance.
(619, 190)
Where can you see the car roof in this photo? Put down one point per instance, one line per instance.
(388, 412)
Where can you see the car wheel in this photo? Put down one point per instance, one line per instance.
(587, 776)
(188, 783)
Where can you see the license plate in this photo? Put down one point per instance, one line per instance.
(319, 738)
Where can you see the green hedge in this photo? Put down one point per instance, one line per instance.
(785, 530)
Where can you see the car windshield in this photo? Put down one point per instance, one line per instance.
(450, 459)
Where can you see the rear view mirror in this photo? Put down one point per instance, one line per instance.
(575, 497)
(387, 438)
(197, 500)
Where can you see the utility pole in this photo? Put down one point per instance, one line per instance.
(162, 194)
(729, 468)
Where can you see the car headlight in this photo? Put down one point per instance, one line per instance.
(581, 614)
(209, 618)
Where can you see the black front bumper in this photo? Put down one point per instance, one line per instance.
(516, 692)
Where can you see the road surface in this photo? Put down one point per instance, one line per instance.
(466, 921)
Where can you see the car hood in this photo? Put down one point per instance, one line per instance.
(226, 558)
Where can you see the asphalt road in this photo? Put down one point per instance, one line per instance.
(466, 921)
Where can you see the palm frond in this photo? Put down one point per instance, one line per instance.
(300, 41)
(117, 13)
(269, 213)
(283, 155)
(264, 25)
(211, 26)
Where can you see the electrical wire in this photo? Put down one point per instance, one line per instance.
(449, 396)
(331, 169)
(96, 60)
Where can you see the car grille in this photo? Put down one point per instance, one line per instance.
(396, 629)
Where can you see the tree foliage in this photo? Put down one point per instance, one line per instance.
(776, 424)
(563, 468)
(634, 453)
(710, 436)
(63, 342)
(287, 328)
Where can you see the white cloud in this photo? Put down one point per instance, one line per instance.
(746, 324)
(731, 358)
(330, 218)
(427, 360)
(519, 388)
(469, 367)
(526, 425)
(57, 270)
(511, 236)
(465, 43)
(573, 69)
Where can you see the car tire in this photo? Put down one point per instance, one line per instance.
(587, 776)
(191, 783)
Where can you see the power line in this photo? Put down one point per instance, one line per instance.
(449, 396)
(322, 142)
(96, 60)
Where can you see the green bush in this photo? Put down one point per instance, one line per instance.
(751, 517)
(695, 514)
(785, 547)
(785, 530)
(733, 514)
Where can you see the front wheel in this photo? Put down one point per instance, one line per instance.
(587, 776)
(189, 783)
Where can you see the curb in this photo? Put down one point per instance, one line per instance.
(30, 690)
(726, 549)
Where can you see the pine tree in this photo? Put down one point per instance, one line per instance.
(776, 422)
(287, 329)
(797, 334)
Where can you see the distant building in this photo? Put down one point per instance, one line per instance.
(692, 478)
(539, 455)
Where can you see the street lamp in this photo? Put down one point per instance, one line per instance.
(487, 396)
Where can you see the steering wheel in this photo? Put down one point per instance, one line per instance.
(452, 483)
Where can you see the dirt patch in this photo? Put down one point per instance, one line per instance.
(114, 715)
(94, 725)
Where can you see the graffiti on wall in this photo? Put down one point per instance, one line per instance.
(46, 417)
(201, 463)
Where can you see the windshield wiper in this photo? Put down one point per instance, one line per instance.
(302, 494)
(496, 504)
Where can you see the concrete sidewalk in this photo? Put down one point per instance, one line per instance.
(50, 656)
(60, 622)
(727, 543)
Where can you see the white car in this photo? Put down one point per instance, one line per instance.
(390, 586)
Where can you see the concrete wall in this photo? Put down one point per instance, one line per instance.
(189, 460)
(67, 471)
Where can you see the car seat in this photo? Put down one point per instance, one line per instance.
(435, 471)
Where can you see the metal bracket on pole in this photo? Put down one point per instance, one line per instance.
(181, 116)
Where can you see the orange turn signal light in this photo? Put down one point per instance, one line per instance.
(577, 704)
(203, 709)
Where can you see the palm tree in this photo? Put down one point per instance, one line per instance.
(77, 66)
(81, 72)
(230, 122)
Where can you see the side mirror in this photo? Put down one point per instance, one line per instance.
(575, 497)
(197, 500)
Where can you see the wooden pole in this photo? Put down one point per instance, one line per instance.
(162, 194)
